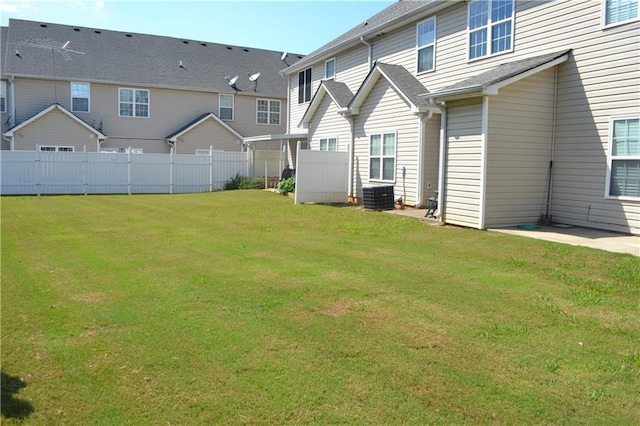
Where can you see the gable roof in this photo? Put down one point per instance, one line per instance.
(387, 20)
(404, 83)
(173, 137)
(47, 110)
(98, 55)
(339, 93)
(490, 81)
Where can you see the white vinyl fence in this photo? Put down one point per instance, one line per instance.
(36, 173)
(322, 176)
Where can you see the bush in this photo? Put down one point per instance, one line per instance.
(286, 186)
(244, 182)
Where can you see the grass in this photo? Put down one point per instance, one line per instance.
(239, 307)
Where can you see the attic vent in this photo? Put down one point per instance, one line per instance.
(97, 31)
(128, 35)
(185, 41)
(43, 25)
(76, 29)
(203, 44)
(299, 57)
(246, 50)
(229, 48)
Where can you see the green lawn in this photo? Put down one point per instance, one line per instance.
(239, 307)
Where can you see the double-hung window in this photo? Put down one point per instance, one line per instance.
(624, 158)
(304, 86)
(55, 148)
(3, 96)
(268, 111)
(382, 157)
(619, 11)
(328, 144)
(133, 103)
(490, 26)
(330, 69)
(426, 44)
(225, 111)
(80, 97)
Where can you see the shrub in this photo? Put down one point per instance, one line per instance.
(243, 182)
(286, 186)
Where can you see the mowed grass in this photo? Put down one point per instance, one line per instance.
(239, 307)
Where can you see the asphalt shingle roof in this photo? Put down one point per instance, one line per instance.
(406, 82)
(502, 72)
(99, 55)
(339, 91)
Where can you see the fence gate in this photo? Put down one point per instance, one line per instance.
(321, 176)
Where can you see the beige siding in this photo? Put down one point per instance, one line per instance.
(519, 151)
(55, 128)
(4, 118)
(327, 123)
(464, 163)
(431, 156)
(208, 133)
(384, 111)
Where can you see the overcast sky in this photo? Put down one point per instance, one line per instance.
(299, 26)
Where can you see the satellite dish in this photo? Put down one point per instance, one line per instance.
(254, 77)
(232, 82)
(284, 56)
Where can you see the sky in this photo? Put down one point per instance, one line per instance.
(296, 26)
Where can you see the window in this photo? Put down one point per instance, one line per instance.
(618, 11)
(330, 69)
(426, 44)
(203, 152)
(624, 158)
(53, 148)
(490, 27)
(382, 157)
(329, 144)
(268, 112)
(80, 97)
(3, 96)
(133, 103)
(304, 86)
(226, 107)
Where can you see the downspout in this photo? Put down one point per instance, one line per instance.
(483, 161)
(10, 142)
(12, 103)
(352, 156)
(547, 215)
(370, 49)
(421, 146)
(171, 144)
(441, 157)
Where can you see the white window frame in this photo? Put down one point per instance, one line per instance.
(3, 96)
(302, 86)
(268, 112)
(615, 24)
(382, 157)
(611, 158)
(489, 30)
(79, 97)
(326, 65)
(232, 107)
(327, 144)
(426, 46)
(56, 148)
(131, 150)
(134, 103)
(203, 152)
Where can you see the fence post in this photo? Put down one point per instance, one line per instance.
(210, 168)
(171, 172)
(129, 171)
(37, 182)
(86, 170)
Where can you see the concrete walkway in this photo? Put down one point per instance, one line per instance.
(577, 236)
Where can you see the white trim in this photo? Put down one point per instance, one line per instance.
(418, 47)
(489, 26)
(88, 95)
(46, 111)
(603, 17)
(134, 103)
(382, 156)
(211, 115)
(483, 161)
(607, 188)
(328, 139)
(268, 123)
(233, 106)
(335, 70)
